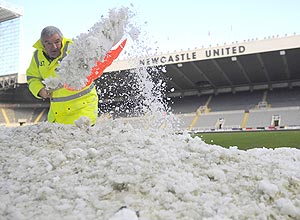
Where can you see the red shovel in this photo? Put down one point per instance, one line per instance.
(99, 68)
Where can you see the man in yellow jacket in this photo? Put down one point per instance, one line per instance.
(65, 106)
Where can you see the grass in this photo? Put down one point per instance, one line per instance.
(248, 140)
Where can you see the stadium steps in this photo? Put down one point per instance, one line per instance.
(245, 119)
(195, 119)
(40, 115)
(264, 98)
(263, 104)
(9, 116)
(5, 117)
(201, 109)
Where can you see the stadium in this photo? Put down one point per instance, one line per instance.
(249, 85)
(117, 170)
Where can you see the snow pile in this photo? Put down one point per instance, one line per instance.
(125, 214)
(90, 47)
(52, 171)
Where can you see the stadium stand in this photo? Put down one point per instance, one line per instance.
(187, 104)
(220, 120)
(262, 118)
(240, 86)
(263, 109)
(284, 97)
(237, 101)
(185, 120)
(19, 107)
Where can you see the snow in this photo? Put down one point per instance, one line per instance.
(125, 214)
(53, 171)
(90, 47)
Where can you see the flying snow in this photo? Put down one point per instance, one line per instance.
(90, 47)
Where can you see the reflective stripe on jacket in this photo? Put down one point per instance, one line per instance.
(66, 106)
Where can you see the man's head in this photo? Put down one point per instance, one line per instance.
(51, 38)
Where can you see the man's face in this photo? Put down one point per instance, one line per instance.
(52, 45)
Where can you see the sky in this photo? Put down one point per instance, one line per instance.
(174, 25)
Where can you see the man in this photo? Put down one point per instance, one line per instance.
(65, 106)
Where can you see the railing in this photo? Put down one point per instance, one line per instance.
(8, 81)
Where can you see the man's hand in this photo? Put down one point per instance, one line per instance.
(45, 94)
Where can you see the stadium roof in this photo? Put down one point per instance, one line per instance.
(8, 12)
(245, 66)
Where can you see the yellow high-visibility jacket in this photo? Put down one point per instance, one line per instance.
(65, 106)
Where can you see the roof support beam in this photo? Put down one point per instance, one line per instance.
(222, 71)
(183, 75)
(244, 72)
(285, 63)
(264, 69)
(174, 85)
(203, 74)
